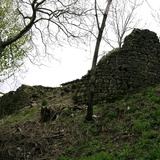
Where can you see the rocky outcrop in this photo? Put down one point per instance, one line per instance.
(136, 65)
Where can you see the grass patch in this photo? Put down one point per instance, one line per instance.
(19, 117)
(126, 129)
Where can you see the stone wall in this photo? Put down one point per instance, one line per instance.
(136, 65)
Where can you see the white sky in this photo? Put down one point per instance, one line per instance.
(73, 62)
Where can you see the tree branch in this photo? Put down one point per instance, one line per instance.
(25, 29)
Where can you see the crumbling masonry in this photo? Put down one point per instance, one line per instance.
(136, 65)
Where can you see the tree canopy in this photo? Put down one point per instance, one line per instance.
(11, 57)
(24, 23)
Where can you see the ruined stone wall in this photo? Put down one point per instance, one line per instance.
(136, 65)
(25, 96)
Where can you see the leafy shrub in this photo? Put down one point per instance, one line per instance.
(44, 102)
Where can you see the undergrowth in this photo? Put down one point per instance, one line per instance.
(126, 129)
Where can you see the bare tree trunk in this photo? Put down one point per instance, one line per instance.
(94, 62)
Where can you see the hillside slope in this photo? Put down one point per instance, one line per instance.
(126, 129)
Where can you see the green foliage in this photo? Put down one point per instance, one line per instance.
(100, 156)
(136, 115)
(63, 158)
(10, 24)
(111, 115)
(68, 112)
(139, 126)
(149, 134)
(156, 115)
(44, 102)
(20, 117)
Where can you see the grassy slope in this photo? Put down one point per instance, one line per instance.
(126, 129)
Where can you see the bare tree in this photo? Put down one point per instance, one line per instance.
(100, 28)
(121, 20)
(121, 17)
(155, 12)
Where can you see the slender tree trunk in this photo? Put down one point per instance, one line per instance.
(94, 62)
(1, 48)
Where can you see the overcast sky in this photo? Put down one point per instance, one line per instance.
(72, 62)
